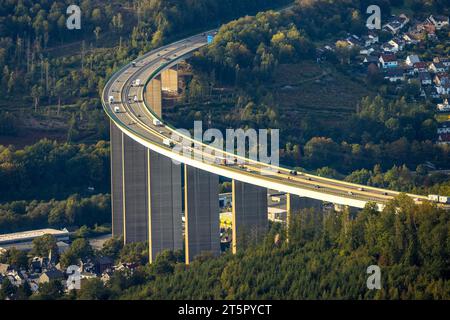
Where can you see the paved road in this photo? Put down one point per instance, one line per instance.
(136, 119)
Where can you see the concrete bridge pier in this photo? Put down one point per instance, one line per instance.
(165, 204)
(202, 229)
(146, 195)
(135, 191)
(169, 79)
(249, 214)
(296, 203)
(117, 194)
(153, 95)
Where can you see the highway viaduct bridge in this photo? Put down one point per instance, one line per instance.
(147, 184)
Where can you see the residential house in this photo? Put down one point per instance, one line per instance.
(16, 278)
(443, 132)
(439, 21)
(412, 37)
(4, 268)
(411, 59)
(388, 61)
(371, 60)
(443, 107)
(440, 78)
(354, 41)
(409, 70)
(398, 43)
(437, 67)
(394, 74)
(444, 88)
(429, 92)
(34, 284)
(106, 276)
(370, 39)
(396, 23)
(444, 61)
(425, 79)
(420, 66)
(102, 264)
(388, 47)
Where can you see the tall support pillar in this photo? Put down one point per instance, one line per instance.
(146, 195)
(202, 229)
(153, 95)
(169, 79)
(293, 205)
(164, 207)
(135, 191)
(249, 215)
(117, 195)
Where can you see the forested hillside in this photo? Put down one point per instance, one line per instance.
(54, 75)
(386, 126)
(326, 258)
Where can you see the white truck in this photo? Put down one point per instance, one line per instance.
(111, 99)
(444, 199)
(168, 143)
(438, 198)
(433, 197)
(116, 109)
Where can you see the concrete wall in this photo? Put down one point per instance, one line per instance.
(116, 180)
(202, 230)
(169, 80)
(249, 212)
(165, 205)
(153, 95)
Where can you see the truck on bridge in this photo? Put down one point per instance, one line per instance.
(438, 198)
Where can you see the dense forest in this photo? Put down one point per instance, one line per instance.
(39, 57)
(326, 258)
(74, 211)
(49, 169)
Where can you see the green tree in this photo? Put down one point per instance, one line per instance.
(43, 245)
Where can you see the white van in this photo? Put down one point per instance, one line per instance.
(111, 99)
(116, 109)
